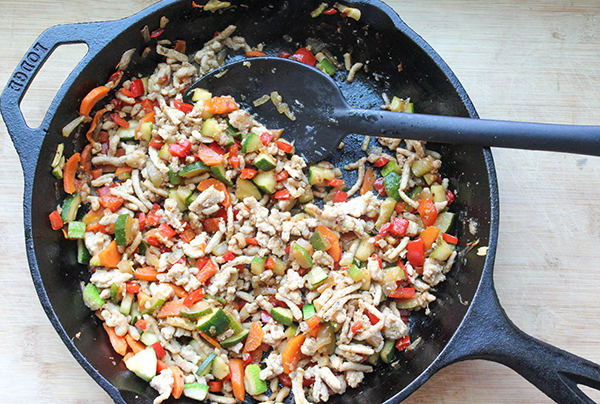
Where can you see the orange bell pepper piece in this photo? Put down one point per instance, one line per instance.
(255, 337)
(291, 354)
(110, 255)
(118, 343)
(236, 368)
(69, 173)
(220, 105)
(91, 99)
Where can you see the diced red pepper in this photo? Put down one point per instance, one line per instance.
(449, 196)
(399, 226)
(305, 56)
(403, 293)
(148, 105)
(356, 327)
(152, 241)
(132, 287)
(142, 221)
(399, 208)
(340, 196)
(156, 143)
(427, 211)
(270, 264)
(183, 107)
(143, 324)
(282, 176)
(285, 379)
(449, 238)
(403, 343)
(285, 55)
(181, 149)
(126, 92)
(158, 348)
(229, 256)
(380, 162)
(330, 11)
(336, 182)
(248, 173)
(282, 195)
(288, 248)
(200, 262)
(284, 146)
(247, 358)
(166, 231)
(217, 148)
(194, 297)
(378, 259)
(265, 317)
(372, 317)
(153, 219)
(266, 138)
(234, 161)
(415, 252)
(115, 76)
(385, 229)
(111, 202)
(379, 187)
(56, 221)
(251, 241)
(118, 120)
(137, 88)
(157, 33)
(215, 386)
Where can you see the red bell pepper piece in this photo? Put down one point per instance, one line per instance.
(380, 162)
(282, 195)
(286, 147)
(385, 229)
(415, 252)
(336, 182)
(379, 187)
(153, 219)
(181, 149)
(403, 293)
(156, 143)
(399, 208)
(285, 55)
(340, 196)
(56, 221)
(372, 318)
(137, 88)
(217, 148)
(118, 120)
(449, 238)
(194, 297)
(356, 327)
(166, 231)
(143, 324)
(266, 138)
(403, 343)
(158, 348)
(248, 173)
(449, 196)
(142, 221)
(282, 176)
(399, 226)
(229, 256)
(305, 56)
(330, 11)
(183, 107)
(157, 33)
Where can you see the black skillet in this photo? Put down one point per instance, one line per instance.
(467, 321)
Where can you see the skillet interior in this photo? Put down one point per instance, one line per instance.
(377, 38)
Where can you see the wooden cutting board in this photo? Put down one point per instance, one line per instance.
(518, 59)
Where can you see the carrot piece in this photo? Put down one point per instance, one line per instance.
(450, 239)
(146, 274)
(111, 202)
(208, 156)
(368, 181)
(314, 325)
(403, 293)
(91, 99)
(56, 221)
(178, 290)
(170, 309)
(429, 235)
(210, 340)
(236, 368)
(136, 346)
(118, 343)
(291, 354)
(211, 224)
(335, 250)
(93, 216)
(219, 186)
(160, 366)
(123, 170)
(178, 381)
(69, 173)
(180, 46)
(97, 173)
(220, 105)
(208, 271)
(142, 298)
(253, 54)
(255, 337)
(110, 255)
(127, 356)
(215, 386)
(86, 159)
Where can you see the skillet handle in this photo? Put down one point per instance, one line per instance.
(28, 141)
(489, 334)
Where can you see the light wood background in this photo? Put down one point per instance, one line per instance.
(518, 59)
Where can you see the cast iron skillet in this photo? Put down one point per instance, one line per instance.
(467, 321)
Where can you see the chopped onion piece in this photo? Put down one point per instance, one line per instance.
(351, 12)
(260, 101)
(125, 59)
(175, 256)
(220, 249)
(146, 33)
(70, 127)
(414, 344)
(163, 22)
(365, 143)
(214, 5)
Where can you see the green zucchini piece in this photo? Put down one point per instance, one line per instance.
(214, 323)
(126, 304)
(442, 252)
(438, 193)
(265, 162)
(307, 196)
(149, 338)
(318, 175)
(76, 230)
(388, 351)
(252, 143)
(191, 170)
(389, 167)
(290, 332)
(70, 207)
(195, 391)
(181, 204)
(233, 132)
(114, 293)
(57, 171)
(124, 230)
(146, 131)
(265, 181)
(197, 310)
(235, 339)
(164, 152)
(219, 173)
(444, 221)
(91, 297)
(365, 249)
(282, 315)
(257, 265)
(280, 266)
(319, 242)
(201, 94)
(373, 359)
(220, 368)
(407, 303)
(245, 188)
(308, 310)
(355, 273)
(58, 155)
(234, 324)
(83, 255)
(206, 366)
(252, 381)
(128, 133)
(143, 364)
(155, 302)
(302, 256)
(392, 185)
(174, 178)
(317, 275)
(210, 128)
(421, 167)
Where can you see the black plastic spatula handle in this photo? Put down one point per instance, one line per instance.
(324, 118)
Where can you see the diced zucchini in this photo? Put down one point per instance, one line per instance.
(114, 293)
(355, 273)
(201, 94)
(83, 255)
(164, 152)
(245, 188)
(318, 175)
(206, 366)
(181, 205)
(442, 252)
(423, 166)
(233, 132)
(195, 391)
(266, 182)
(393, 274)
(184, 193)
(407, 303)
(124, 229)
(91, 297)
(143, 364)
(210, 128)
(149, 338)
(70, 207)
(320, 242)
(76, 230)
(135, 311)
(265, 162)
(220, 367)
(444, 221)
(58, 155)
(127, 133)
(146, 131)
(415, 194)
(438, 193)
(252, 143)
(388, 351)
(155, 302)
(174, 178)
(279, 267)
(252, 381)
(302, 256)
(57, 171)
(126, 304)
(365, 250)
(392, 185)
(235, 339)
(282, 315)
(214, 324)
(197, 310)
(257, 265)
(389, 167)
(234, 323)
(373, 359)
(307, 196)
(192, 198)
(290, 332)
(317, 275)
(308, 310)
(191, 170)
(326, 66)
(219, 173)
(328, 332)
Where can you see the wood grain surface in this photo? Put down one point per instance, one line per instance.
(518, 59)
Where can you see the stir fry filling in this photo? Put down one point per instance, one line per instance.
(221, 265)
